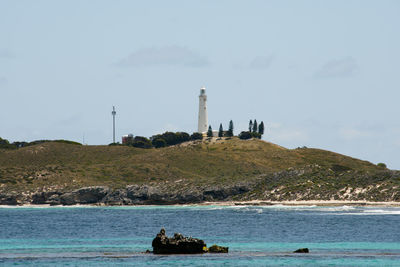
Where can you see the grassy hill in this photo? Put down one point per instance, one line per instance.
(272, 172)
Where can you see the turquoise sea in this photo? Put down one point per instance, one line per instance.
(256, 235)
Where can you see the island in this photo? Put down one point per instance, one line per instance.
(215, 169)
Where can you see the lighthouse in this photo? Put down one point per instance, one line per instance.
(203, 119)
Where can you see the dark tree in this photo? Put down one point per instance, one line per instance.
(245, 135)
(261, 128)
(141, 142)
(4, 141)
(159, 142)
(209, 132)
(230, 130)
(182, 137)
(250, 125)
(220, 131)
(255, 126)
(196, 136)
(19, 144)
(172, 138)
(256, 135)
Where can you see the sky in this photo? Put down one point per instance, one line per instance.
(322, 74)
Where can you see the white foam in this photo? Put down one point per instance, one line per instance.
(382, 212)
(40, 206)
(339, 208)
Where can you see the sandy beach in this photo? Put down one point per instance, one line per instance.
(245, 203)
(305, 203)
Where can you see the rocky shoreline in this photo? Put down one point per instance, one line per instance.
(299, 187)
(131, 195)
(226, 171)
(147, 195)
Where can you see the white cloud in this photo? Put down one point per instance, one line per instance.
(3, 80)
(257, 63)
(278, 133)
(261, 62)
(397, 142)
(338, 68)
(289, 135)
(168, 55)
(6, 54)
(353, 133)
(274, 125)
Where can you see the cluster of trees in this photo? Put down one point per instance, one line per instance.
(163, 140)
(221, 132)
(158, 140)
(255, 130)
(171, 138)
(5, 144)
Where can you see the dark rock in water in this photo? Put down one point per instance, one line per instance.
(178, 244)
(301, 250)
(218, 249)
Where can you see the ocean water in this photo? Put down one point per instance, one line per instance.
(256, 235)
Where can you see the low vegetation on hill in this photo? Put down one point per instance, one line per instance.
(5, 144)
(229, 168)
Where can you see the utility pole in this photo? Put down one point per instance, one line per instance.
(113, 113)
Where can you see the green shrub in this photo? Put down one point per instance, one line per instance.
(67, 142)
(6, 145)
(159, 142)
(256, 135)
(20, 144)
(340, 168)
(36, 142)
(245, 135)
(196, 136)
(4, 141)
(182, 137)
(114, 144)
(141, 142)
(381, 165)
(172, 138)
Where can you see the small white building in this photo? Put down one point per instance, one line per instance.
(127, 138)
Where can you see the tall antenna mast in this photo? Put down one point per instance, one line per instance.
(113, 113)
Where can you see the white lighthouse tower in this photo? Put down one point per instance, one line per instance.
(203, 119)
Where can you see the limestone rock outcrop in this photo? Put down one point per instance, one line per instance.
(302, 250)
(178, 244)
(85, 195)
(218, 249)
(8, 199)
